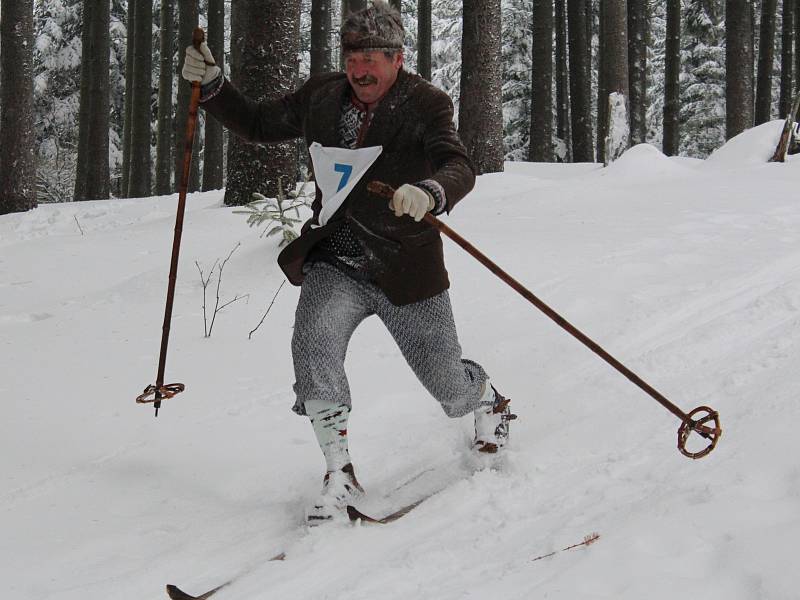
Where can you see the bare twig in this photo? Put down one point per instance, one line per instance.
(218, 266)
(205, 281)
(588, 540)
(268, 309)
(217, 307)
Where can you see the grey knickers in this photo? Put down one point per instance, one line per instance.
(331, 306)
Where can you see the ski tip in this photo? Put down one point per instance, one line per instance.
(176, 593)
(356, 515)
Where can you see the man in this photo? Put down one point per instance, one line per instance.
(356, 258)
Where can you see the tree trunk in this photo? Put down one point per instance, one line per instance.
(602, 82)
(796, 44)
(213, 150)
(480, 111)
(785, 103)
(580, 82)
(267, 168)
(738, 67)
(17, 140)
(562, 78)
(766, 57)
(349, 6)
(672, 71)
(424, 38)
(126, 127)
(187, 22)
(541, 136)
(165, 138)
(638, 33)
(139, 179)
(615, 61)
(321, 57)
(617, 44)
(99, 183)
(85, 103)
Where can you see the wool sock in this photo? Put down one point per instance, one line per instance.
(330, 426)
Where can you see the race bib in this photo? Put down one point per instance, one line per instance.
(337, 171)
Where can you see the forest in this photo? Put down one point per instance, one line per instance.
(92, 105)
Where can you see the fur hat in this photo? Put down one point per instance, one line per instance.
(377, 27)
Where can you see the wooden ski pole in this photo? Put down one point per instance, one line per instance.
(155, 393)
(695, 421)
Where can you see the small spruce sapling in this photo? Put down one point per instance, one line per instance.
(281, 213)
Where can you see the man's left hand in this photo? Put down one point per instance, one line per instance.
(412, 201)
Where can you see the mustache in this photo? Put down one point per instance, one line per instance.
(367, 79)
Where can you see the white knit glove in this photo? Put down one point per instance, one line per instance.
(200, 65)
(412, 201)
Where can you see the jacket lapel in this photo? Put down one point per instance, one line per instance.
(324, 114)
(388, 117)
(386, 122)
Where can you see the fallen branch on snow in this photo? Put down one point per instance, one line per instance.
(587, 541)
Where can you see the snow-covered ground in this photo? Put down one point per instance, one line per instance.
(687, 271)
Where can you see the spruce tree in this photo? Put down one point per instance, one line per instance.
(614, 80)
(92, 175)
(481, 120)
(738, 67)
(766, 57)
(541, 136)
(17, 138)
(424, 38)
(703, 80)
(213, 148)
(563, 142)
(262, 169)
(638, 42)
(140, 163)
(580, 80)
(672, 92)
(321, 53)
(187, 23)
(787, 31)
(516, 78)
(129, 100)
(165, 133)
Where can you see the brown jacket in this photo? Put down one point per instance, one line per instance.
(414, 124)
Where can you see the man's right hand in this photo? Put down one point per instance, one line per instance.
(199, 65)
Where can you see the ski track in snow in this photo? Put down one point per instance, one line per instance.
(687, 271)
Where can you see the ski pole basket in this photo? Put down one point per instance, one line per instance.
(153, 393)
(698, 421)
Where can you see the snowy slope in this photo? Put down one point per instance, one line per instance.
(687, 271)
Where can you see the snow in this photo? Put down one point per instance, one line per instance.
(619, 131)
(752, 147)
(686, 271)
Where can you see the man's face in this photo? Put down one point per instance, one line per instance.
(371, 74)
